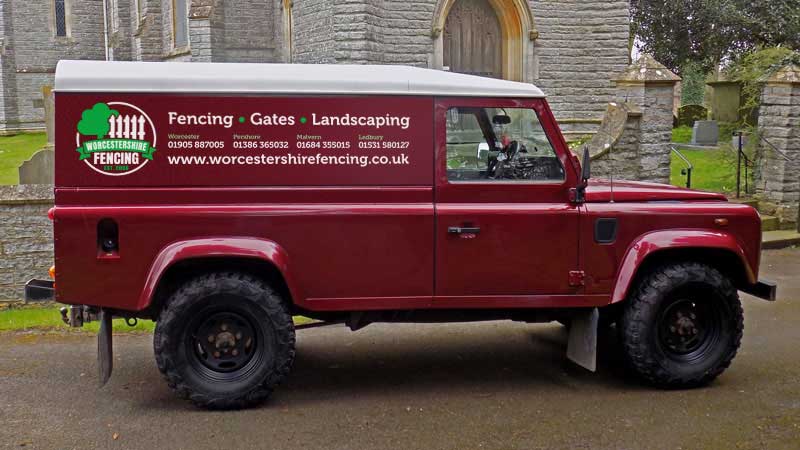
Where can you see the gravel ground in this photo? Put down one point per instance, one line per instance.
(455, 386)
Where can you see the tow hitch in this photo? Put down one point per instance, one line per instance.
(39, 290)
(76, 315)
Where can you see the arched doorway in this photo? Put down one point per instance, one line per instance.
(473, 41)
(471, 35)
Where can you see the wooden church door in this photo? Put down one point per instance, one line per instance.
(473, 39)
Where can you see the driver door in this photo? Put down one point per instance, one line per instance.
(502, 239)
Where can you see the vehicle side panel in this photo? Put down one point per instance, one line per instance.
(354, 218)
(334, 250)
(647, 227)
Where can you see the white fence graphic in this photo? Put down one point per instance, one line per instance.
(126, 127)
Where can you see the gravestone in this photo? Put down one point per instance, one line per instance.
(41, 167)
(705, 132)
(610, 129)
(725, 100)
(38, 169)
(689, 114)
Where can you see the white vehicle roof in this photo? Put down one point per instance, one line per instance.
(104, 76)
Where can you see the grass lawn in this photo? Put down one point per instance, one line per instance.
(682, 134)
(714, 170)
(16, 149)
(49, 319)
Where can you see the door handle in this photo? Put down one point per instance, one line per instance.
(463, 230)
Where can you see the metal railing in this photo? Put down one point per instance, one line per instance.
(780, 152)
(749, 163)
(741, 156)
(686, 171)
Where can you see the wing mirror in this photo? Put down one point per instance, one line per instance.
(586, 173)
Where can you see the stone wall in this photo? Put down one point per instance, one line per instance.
(147, 39)
(312, 37)
(582, 45)
(579, 49)
(120, 30)
(407, 32)
(778, 175)
(240, 43)
(572, 54)
(359, 32)
(31, 51)
(26, 249)
(8, 104)
(643, 150)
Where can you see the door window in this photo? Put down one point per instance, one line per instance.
(499, 145)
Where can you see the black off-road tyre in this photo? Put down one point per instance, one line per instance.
(224, 341)
(682, 325)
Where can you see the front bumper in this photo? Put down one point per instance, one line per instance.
(766, 289)
(40, 290)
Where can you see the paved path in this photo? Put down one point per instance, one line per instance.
(455, 386)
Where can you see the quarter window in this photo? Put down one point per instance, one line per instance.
(499, 145)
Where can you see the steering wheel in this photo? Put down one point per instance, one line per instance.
(503, 159)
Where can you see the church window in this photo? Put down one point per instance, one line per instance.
(60, 10)
(180, 23)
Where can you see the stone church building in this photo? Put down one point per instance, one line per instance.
(572, 49)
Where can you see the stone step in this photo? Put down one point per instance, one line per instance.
(770, 223)
(779, 239)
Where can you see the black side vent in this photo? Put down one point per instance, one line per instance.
(605, 230)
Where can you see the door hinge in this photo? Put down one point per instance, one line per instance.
(577, 278)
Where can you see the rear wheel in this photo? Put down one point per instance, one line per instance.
(224, 341)
(682, 326)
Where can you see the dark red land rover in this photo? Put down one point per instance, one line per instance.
(222, 199)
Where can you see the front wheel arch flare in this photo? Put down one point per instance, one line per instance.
(719, 250)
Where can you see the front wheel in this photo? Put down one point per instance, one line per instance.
(682, 325)
(224, 341)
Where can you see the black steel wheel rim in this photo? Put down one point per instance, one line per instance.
(689, 329)
(225, 344)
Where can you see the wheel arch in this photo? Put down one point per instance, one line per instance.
(181, 260)
(719, 250)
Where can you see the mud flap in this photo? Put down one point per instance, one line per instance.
(582, 344)
(105, 361)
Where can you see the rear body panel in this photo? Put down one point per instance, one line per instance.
(357, 226)
(356, 214)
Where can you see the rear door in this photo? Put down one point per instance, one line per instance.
(506, 232)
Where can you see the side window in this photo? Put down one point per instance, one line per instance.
(499, 145)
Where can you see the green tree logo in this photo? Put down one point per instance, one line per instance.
(94, 122)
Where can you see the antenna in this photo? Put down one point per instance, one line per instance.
(611, 157)
(611, 151)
